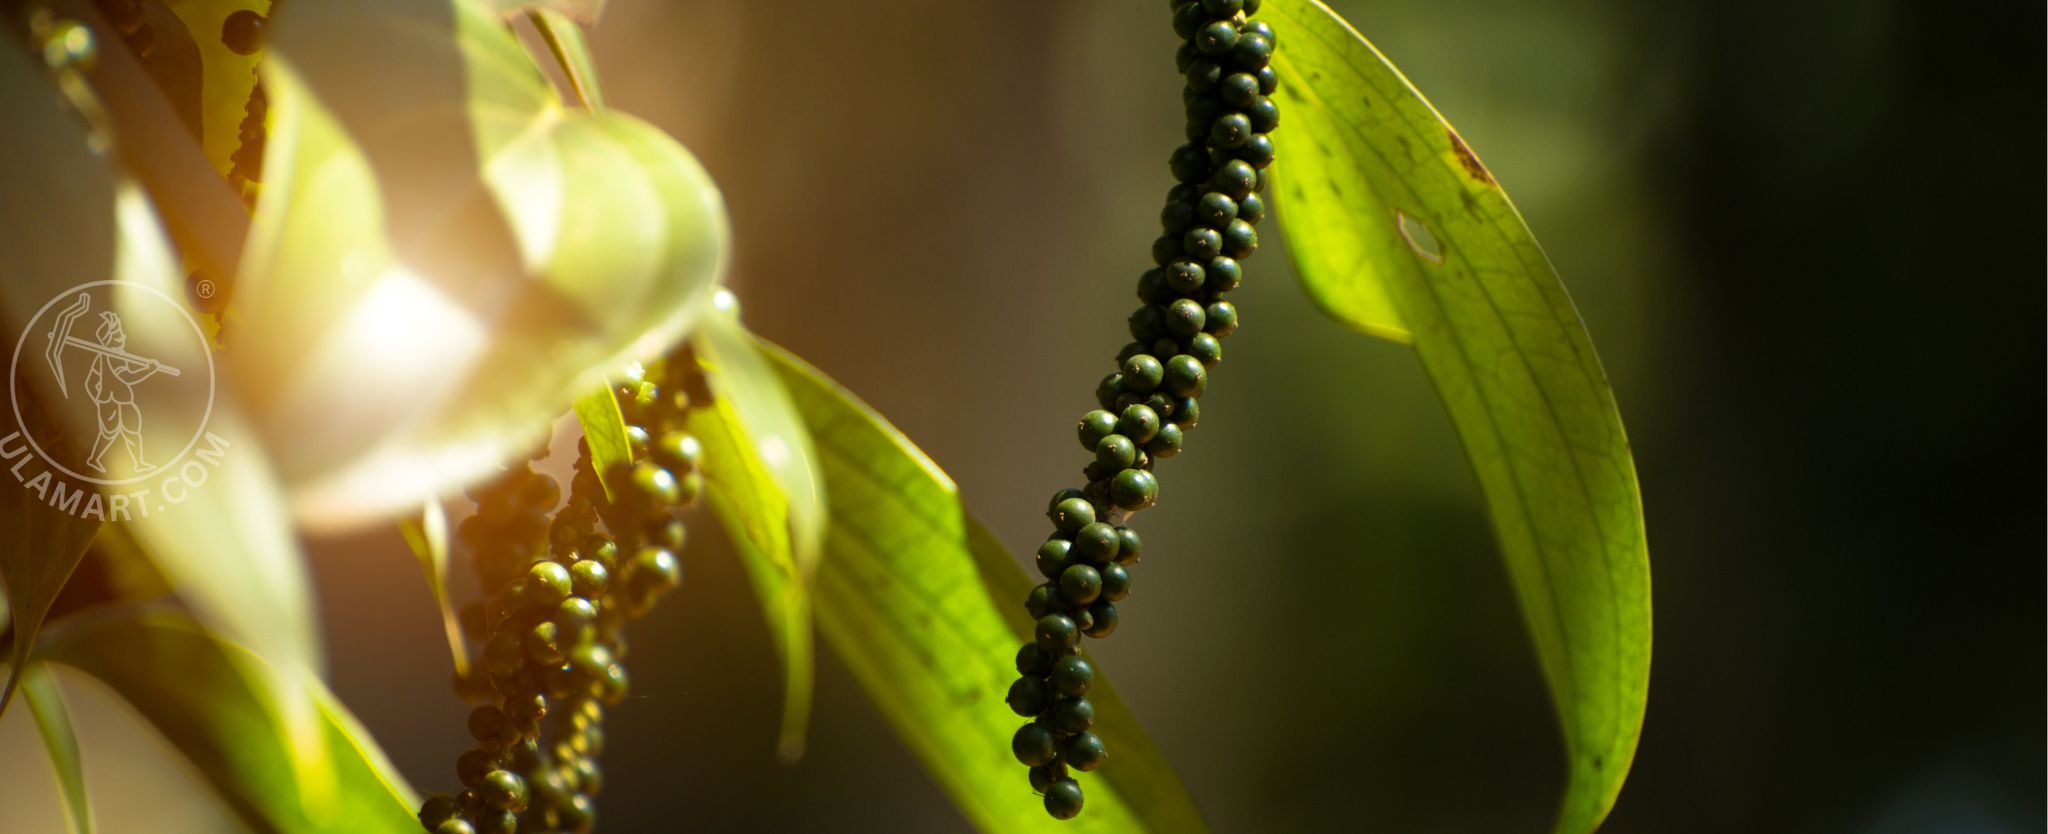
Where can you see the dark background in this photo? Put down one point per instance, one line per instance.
(1807, 237)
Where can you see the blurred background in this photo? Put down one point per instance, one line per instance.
(1807, 238)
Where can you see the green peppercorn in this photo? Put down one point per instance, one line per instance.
(543, 644)
(1185, 376)
(1184, 277)
(1116, 581)
(1229, 130)
(1269, 81)
(1206, 349)
(1034, 660)
(1043, 776)
(1073, 514)
(503, 790)
(1177, 216)
(1063, 799)
(659, 566)
(1239, 90)
(1134, 489)
(242, 32)
(1188, 20)
(678, 451)
(547, 584)
(437, 808)
(1258, 151)
(1236, 178)
(1202, 75)
(1129, 546)
(1095, 544)
(1116, 451)
(1214, 210)
(573, 614)
(1053, 556)
(1217, 38)
(1256, 27)
(1222, 319)
(1203, 243)
(454, 825)
(1052, 507)
(1142, 372)
(1254, 209)
(1102, 619)
(1139, 423)
(1034, 745)
(1146, 325)
(1028, 696)
(602, 551)
(1080, 585)
(1184, 318)
(1084, 752)
(1252, 51)
(471, 766)
(1165, 248)
(1082, 619)
(1057, 633)
(1190, 162)
(655, 486)
(1167, 443)
(1073, 675)
(1073, 715)
(588, 579)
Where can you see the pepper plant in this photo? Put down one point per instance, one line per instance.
(356, 203)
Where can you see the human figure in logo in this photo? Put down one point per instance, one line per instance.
(111, 383)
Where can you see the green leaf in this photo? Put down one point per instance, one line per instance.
(604, 430)
(755, 514)
(39, 688)
(926, 609)
(215, 703)
(440, 251)
(572, 53)
(427, 535)
(229, 551)
(1398, 229)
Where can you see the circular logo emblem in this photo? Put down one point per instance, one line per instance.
(112, 382)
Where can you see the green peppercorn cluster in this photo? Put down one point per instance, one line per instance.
(1152, 400)
(553, 628)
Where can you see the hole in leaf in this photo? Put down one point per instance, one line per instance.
(1419, 238)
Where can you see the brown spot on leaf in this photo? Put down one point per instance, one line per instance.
(1473, 166)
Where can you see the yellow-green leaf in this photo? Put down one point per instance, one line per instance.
(572, 53)
(215, 702)
(1399, 230)
(927, 609)
(46, 701)
(440, 251)
(604, 430)
(755, 514)
(427, 535)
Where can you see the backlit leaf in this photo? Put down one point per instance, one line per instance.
(926, 609)
(1399, 230)
(215, 702)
